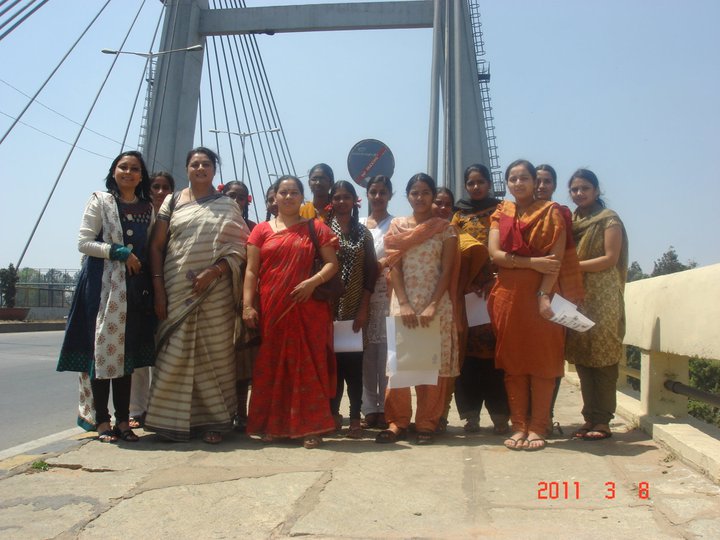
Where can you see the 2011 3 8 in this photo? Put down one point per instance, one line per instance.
(565, 490)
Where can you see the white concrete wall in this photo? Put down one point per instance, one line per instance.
(676, 314)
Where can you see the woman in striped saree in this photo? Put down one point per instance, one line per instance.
(197, 286)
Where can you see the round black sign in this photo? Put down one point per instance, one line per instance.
(370, 157)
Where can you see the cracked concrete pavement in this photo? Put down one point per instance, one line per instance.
(464, 486)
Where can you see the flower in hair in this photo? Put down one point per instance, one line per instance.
(328, 207)
(220, 187)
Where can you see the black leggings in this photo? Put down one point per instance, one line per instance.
(121, 399)
(349, 369)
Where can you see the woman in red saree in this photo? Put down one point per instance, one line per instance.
(294, 374)
(527, 243)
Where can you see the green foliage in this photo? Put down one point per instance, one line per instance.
(705, 375)
(40, 466)
(635, 272)
(669, 263)
(8, 282)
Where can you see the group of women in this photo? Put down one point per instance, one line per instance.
(186, 283)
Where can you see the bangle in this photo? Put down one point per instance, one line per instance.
(247, 307)
(157, 275)
(218, 268)
(542, 293)
(322, 279)
(512, 260)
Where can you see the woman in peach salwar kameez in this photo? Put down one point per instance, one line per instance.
(422, 254)
(527, 243)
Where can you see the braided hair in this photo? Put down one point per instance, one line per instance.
(355, 220)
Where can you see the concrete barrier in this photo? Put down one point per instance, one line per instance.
(672, 318)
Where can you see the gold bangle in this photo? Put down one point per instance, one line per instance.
(322, 279)
(512, 260)
(157, 275)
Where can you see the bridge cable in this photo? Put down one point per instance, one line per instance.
(42, 86)
(77, 137)
(26, 17)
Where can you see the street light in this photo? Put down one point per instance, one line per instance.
(152, 54)
(243, 135)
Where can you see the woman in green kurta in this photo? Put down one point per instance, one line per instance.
(602, 248)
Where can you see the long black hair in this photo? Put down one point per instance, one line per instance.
(268, 215)
(142, 190)
(355, 220)
(588, 176)
(231, 183)
(378, 179)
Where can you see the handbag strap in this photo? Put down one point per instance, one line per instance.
(313, 237)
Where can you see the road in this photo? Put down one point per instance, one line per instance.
(36, 401)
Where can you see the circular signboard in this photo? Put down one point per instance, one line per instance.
(370, 157)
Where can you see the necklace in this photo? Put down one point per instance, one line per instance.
(132, 201)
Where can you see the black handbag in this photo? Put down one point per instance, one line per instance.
(333, 288)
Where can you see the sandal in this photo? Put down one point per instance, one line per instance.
(501, 429)
(137, 421)
(472, 426)
(338, 421)
(382, 423)
(126, 435)
(514, 442)
(442, 426)
(311, 441)
(425, 437)
(370, 421)
(580, 433)
(212, 437)
(597, 435)
(539, 442)
(387, 436)
(107, 436)
(355, 431)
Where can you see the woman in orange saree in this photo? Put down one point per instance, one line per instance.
(527, 243)
(294, 374)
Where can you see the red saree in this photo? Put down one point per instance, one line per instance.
(294, 374)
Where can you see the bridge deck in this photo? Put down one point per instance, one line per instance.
(462, 487)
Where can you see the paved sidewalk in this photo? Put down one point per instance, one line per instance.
(461, 487)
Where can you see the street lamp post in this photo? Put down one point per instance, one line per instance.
(243, 135)
(154, 54)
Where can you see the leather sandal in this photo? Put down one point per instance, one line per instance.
(388, 436)
(312, 441)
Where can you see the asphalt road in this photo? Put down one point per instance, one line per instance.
(35, 400)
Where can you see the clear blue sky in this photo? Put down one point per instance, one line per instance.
(628, 89)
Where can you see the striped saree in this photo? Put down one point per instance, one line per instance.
(193, 388)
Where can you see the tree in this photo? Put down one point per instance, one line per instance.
(635, 272)
(8, 281)
(669, 263)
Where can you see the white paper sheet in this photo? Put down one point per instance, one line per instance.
(476, 308)
(566, 314)
(413, 353)
(345, 339)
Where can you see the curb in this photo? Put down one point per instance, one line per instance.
(31, 327)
